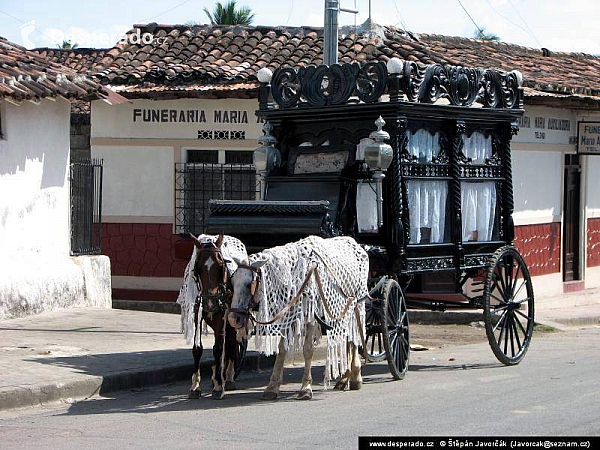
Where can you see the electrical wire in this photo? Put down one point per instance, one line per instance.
(467, 12)
(402, 21)
(168, 10)
(523, 20)
(287, 21)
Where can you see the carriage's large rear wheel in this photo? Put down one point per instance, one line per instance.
(508, 307)
(396, 336)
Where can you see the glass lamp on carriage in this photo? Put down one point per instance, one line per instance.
(378, 156)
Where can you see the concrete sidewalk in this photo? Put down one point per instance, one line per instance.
(81, 352)
(77, 353)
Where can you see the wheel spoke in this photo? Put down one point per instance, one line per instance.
(510, 329)
(520, 287)
(498, 309)
(501, 278)
(523, 315)
(499, 299)
(502, 328)
(502, 317)
(518, 322)
(516, 335)
(505, 328)
(526, 299)
(514, 285)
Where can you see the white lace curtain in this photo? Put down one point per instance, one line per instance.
(477, 147)
(478, 210)
(427, 209)
(423, 145)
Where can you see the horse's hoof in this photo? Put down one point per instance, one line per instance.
(230, 385)
(341, 385)
(355, 385)
(305, 395)
(194, 394)
(218, 395)
(269, 395)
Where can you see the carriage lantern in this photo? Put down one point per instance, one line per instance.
(378, 156)
(266, 157)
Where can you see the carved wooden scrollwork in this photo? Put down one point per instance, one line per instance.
(336, 84)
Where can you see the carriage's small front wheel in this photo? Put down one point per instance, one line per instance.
(374, 320)
(396, 336)
(508, 307)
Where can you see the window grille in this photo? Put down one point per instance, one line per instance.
(86, 206)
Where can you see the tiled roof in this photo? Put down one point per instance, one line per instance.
(25, 75)
(79, 59)
(206, 55)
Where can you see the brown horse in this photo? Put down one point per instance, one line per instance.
(214, 299)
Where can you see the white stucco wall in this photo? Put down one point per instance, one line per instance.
(36, 271)
(593, 186)
(138, 181)
(537, 182)
(34, 189)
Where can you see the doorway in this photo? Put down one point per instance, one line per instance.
(571, 270)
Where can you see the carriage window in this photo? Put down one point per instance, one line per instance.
(478, 210)
(477, 147)
(428, 204)
(423, 146)
(366, 207)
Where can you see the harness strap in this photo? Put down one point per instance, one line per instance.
(291, 303)
(326, 302)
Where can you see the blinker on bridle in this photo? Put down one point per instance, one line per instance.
(253, 289)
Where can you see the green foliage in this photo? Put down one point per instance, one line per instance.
(67, 45)
(485, 36)
(228, 14)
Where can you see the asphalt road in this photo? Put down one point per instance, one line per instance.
(459, 390)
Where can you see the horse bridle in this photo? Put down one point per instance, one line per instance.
(253, 290)
(220, 300)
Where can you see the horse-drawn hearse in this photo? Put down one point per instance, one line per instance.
(412, 162)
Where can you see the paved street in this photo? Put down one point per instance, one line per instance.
(457, 390)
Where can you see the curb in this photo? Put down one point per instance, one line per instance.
(27, 396)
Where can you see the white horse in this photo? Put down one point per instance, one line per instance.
(290, 285)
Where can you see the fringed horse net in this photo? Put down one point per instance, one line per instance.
(234, 253)
(342, 267)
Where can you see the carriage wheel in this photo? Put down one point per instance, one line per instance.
(396, 337)
(508, 308)
(375, 350)
(239, 364)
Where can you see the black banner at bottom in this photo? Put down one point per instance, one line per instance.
(509, 442)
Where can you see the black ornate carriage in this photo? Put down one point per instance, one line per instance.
(433, 208)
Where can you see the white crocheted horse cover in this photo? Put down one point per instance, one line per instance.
(234, 252)
(343, 267)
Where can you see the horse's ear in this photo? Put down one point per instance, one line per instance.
(195, 239)
(258, 264)
(220, 240)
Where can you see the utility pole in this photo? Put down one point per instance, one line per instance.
(330, 33)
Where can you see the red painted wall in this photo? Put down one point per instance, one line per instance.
(142, 249)
(593, 242)
(152, 250)
(540, 246)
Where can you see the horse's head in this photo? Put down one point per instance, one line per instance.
(211, 271)
(245, 283)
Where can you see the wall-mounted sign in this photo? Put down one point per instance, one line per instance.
(541, 125)
(588, 138)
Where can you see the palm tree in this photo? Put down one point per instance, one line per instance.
(67, 45)
(483, 35)
(229, 15)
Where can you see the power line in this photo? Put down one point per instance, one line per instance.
(467, 12)
(402, 21)
(523, 20)
(168, 10)
(24, 23)
(290, 13)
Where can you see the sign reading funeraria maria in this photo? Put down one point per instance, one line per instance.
(225, 119)
(588, 140)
